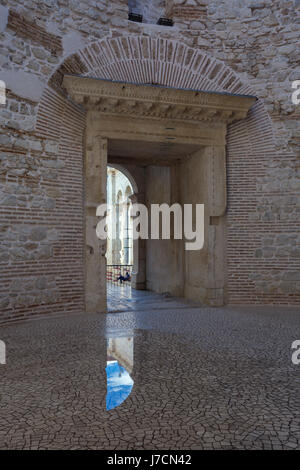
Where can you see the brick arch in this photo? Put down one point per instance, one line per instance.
(145, 60)
(141, 59)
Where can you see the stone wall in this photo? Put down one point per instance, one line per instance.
(164, 273)
(187, 10)
(41, 160)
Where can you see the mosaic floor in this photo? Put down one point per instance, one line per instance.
(203, 378)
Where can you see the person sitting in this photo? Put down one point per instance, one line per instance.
(125, 278)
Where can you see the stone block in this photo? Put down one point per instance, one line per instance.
(38, 234)
(51, 147)
(291, 276)
(23, 84)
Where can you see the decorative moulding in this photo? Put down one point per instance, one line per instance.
(156, 102)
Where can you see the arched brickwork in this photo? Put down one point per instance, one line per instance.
(140, 59)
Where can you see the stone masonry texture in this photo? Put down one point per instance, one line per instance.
(247, 47)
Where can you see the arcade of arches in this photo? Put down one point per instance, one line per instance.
(119, 244)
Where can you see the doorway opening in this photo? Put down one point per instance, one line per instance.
(119, 254)
(174, 142)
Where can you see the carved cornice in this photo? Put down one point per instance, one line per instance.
(156, 102)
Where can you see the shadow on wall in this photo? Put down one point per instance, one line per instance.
(150, 11)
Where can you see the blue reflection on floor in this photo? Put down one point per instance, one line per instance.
(119, 384)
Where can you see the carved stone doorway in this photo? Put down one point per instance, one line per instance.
(177, 138)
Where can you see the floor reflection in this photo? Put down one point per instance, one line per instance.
(204, 378)
(118, 369)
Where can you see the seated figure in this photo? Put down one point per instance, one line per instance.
(125, 278)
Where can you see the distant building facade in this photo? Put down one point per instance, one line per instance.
(119, 190)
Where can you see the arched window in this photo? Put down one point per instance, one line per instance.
(120, 243)
(150, 11)
(118, 223)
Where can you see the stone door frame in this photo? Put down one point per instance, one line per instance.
(134, 112)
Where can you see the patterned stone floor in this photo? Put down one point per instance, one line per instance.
(204, 378)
